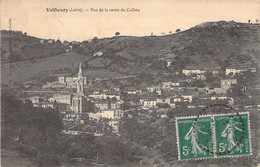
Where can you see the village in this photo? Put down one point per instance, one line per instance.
(95, 111)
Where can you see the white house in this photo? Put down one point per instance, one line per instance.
(36, 99)
(98, 54)
(149, 103)
(187, 98)
(193, 71)
(222, 97)
(62, 98)
(41, 41)
(233, 71)
(112, 114)
(131, 92)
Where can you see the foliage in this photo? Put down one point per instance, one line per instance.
(29, 129)
(178, 30)
(36, 132)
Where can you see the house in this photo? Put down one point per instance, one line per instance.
(98, 54)
(160, 100)
(131, 92)
(220, 97)
(170, 102)
(201, 77)
(41, 41)
(45, 105)
(169, 84)
(115, 125)
(187, 98)
(234, 71)
(36, 99)
(50, 41)
(62, 98)
(227, 82)
(149, 103)
(71, 80)
(158, 92)
(117, 89)
(193, 71)
(112, 114)
(70, 132)
(94, 116)
(215, 90)
(71, 117)
(169, 62)
(215, 73)
(252, 69)
(153, 89)
(177, 99)
(104, 96)
(166, 85)
(104, 104)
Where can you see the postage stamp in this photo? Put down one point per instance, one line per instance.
(194, 137)
(232, 134)
(213, 136)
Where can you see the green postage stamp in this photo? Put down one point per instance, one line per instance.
(213, 136)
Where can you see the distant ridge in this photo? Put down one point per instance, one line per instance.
(209, 44)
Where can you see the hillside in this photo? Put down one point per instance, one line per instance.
(209, 44)
(17, 46)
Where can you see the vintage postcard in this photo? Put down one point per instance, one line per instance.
(130, 83)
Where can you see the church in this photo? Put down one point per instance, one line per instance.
(76, 101)
(79, 98)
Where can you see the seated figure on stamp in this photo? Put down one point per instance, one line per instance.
(229, 133)
(193, 136)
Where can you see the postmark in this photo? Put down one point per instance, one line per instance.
(213, 136)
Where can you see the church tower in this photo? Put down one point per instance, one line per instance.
(79, 97)
(80, 81)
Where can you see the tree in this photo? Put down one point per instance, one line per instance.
(95, 39)
(178, 30)
(117, 33)
(58, 41)
(89, 106)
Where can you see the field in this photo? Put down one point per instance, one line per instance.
(24, 70)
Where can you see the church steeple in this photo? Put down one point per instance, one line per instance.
(80, 81)
(80, 71)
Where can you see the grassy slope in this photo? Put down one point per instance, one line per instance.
(24, 70)
(205, 45)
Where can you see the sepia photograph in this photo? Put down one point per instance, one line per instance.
(130, 83)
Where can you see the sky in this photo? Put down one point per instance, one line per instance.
(154, 16)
